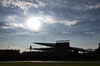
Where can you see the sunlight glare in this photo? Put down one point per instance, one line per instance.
(33, 23)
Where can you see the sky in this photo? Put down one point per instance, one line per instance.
(23, 22)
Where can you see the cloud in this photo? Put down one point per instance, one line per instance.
(41, 4)
(93, 6)
(10, 18)
(22, 4)
(12, 25)
(65, 22)
(69, 23)
(9, 23)
(49, 20)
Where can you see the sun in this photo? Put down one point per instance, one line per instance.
(33, 23)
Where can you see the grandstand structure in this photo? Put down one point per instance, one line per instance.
(60, 50)
(60, 46)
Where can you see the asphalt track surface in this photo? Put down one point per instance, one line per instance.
(53, 61)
